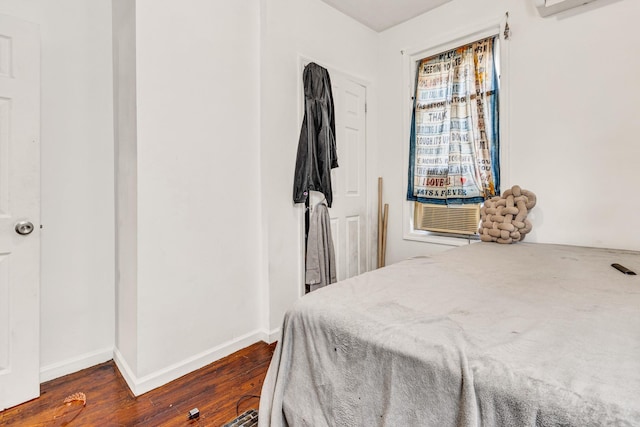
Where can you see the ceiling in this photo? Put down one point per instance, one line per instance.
(382, 14)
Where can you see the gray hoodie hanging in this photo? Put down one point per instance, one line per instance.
(321, 258)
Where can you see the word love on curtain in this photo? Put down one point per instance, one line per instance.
(454, 146)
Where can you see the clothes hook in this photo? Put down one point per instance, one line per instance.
(507, 31)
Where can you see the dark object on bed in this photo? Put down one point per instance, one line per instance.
(623, 269)
(495, 335)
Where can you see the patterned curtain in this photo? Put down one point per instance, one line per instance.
(454, 146)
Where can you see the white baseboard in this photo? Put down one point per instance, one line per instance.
(156, 379)
(125, 369)
(69, 366)
(271, 336)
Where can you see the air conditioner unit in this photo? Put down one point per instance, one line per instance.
(551, 7)
(462, 219)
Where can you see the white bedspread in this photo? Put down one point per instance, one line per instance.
(486, 334)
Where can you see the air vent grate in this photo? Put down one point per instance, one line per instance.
(462, 219)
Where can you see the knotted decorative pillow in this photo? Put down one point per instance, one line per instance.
(504, 218)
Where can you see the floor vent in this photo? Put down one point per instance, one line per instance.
(247, 419)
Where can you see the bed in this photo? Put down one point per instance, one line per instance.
(485, 334)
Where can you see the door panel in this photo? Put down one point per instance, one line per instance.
(353, 249)
(349, 210)
(19, 202)
(337, 240)
(352, 151)
(350, 204)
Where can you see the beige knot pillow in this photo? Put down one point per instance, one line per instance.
(504, 218)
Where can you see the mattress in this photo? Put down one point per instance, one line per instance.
(485, 334)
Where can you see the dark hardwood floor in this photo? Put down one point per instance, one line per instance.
(215, 390)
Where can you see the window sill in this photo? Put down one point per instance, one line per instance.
(426, 237)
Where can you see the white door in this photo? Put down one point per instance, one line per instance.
(19, 207)
(349, 208)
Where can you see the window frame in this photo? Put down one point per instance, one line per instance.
(411, 57)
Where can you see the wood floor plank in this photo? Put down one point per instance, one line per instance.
(214, 389)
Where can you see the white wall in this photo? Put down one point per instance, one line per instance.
(77, 301)
(198, 169)
(126, 176)
(572, 131)
(292, 29)
(216, 124)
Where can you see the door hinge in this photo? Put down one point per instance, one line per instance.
(365, 107)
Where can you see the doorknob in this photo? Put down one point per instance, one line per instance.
(24, 227)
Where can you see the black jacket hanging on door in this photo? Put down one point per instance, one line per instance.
(317, 145)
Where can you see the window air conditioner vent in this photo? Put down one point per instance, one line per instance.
(551, 7)
(462, 219)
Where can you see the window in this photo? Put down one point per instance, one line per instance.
(454, 140)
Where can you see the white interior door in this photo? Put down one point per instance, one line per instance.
(19, 207)
(349, 208)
